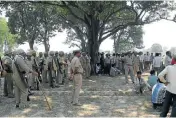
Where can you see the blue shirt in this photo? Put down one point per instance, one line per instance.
(152, 80)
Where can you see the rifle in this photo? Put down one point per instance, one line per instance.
(39, 76)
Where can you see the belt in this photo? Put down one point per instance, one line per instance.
(78, 73)
(129, 65)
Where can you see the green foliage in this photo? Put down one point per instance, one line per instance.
(129, 38)
(5, 34)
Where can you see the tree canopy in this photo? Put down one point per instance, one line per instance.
(6, 35)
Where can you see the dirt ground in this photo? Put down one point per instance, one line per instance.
(100, 96)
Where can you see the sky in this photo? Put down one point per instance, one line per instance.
(162, 32)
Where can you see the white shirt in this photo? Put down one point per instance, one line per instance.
(171, 76)
(157, 61)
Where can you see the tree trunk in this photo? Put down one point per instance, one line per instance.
(31, 44)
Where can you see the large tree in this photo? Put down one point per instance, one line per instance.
(104, 18)
(128, 38)
(33, 22)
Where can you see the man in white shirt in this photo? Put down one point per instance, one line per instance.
(147, 61)
(157, 63)
(170, 71)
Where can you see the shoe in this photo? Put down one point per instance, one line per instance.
(77, 104)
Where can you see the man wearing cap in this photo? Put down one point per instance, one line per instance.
(20, 68)
(84, 64)
(136, 62)
(45, 68)
(62, 67)
(8, 83)
(35, 66)
(76, 71)
(170, 96)
(29, 75)
(56, 59)
(52, 68)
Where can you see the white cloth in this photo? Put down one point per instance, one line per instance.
(157, 61)
(171, 76)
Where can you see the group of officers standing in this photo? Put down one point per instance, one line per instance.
(24, 71)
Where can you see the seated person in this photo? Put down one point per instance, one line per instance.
(113, 71)
(158, 94)
(152, 79)
(140, 84)
(98, 69)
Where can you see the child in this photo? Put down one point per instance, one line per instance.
(158, 94)
(152, 79)
(140, 83)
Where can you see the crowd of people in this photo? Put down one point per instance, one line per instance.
(25, 71)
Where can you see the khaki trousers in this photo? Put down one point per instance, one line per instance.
(45, 75)
(136, 68)
(21, 95)
(8, 85)
(129, 70)
(30, 79)
(77, 81)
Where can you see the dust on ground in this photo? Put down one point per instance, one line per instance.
(100, 96)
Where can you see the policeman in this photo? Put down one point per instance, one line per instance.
(8, 83)
(76, 71)
(84, 63)
(56, 59)
(128, 66)
(62, 66)
(52, 68)
(20, 68)
(45, 68)
(29, 75)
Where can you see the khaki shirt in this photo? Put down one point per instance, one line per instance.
(61, 61)
(29, 63)
(128, 60)
(83, 61)
(113, 60)
(76, 65)
(136, 60)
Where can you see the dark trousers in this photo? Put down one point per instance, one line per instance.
(167, 103)
(107, 69)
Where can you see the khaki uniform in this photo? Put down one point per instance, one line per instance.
(84, 63)
(77, 78)
(8, 83)
(21, 87)
(34, 67)
(45, 70)
(128, 66)
(136, 63)
(88, 67)
(62, 68)
(29, 75)
(52, 68)
(56, 59)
